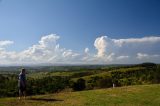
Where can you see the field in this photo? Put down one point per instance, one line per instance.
(138, 95)
(136, 85)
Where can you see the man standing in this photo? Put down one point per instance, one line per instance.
(22, 83)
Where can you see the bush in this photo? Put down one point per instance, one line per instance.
(79, 85)
(105, 82)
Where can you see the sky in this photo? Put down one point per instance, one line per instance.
(79, 31)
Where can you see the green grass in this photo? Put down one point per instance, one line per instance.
(75, 74)
(139, 95)
(108, 73)
(89, 77)
(40, 75)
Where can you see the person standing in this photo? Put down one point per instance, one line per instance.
(22, 83)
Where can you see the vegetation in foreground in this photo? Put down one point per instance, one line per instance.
(138, 95)
(79, 78)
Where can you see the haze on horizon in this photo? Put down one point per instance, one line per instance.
(79, 32)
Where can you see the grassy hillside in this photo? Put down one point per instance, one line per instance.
(139, 95)
(45, 81)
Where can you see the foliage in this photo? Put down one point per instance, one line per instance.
(134, 75)
(86, 77)
(9, 85)
(79, 85)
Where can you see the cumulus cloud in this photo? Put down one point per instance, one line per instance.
(49, 41)
(43, 51)
(46, 51)
(108, 51)
(101, 44)
(130, 45)
(127, 49)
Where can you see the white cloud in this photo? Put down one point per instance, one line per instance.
(127, 49)
(44, 50)
(109, 57)
(5, 43)
(122, 57)
(49, 41)
(48, 50)
(101, 44)
(86, 50)
(142, 55)
(151, 39)
(146, 56)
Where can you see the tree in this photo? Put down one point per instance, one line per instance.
(79, 85)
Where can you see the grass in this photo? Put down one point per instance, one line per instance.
(102, 74)
(138, 95)
(40, 75)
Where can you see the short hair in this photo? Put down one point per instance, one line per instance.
(23, 70)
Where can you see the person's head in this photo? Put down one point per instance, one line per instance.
(23, 70)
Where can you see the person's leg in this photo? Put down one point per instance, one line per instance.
(20, 93)
(24, 94)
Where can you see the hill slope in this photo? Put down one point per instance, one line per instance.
(139, 95)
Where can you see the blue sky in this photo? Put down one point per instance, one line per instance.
(78, 23)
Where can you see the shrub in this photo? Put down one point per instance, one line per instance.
(105, 82)
(79, 85)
